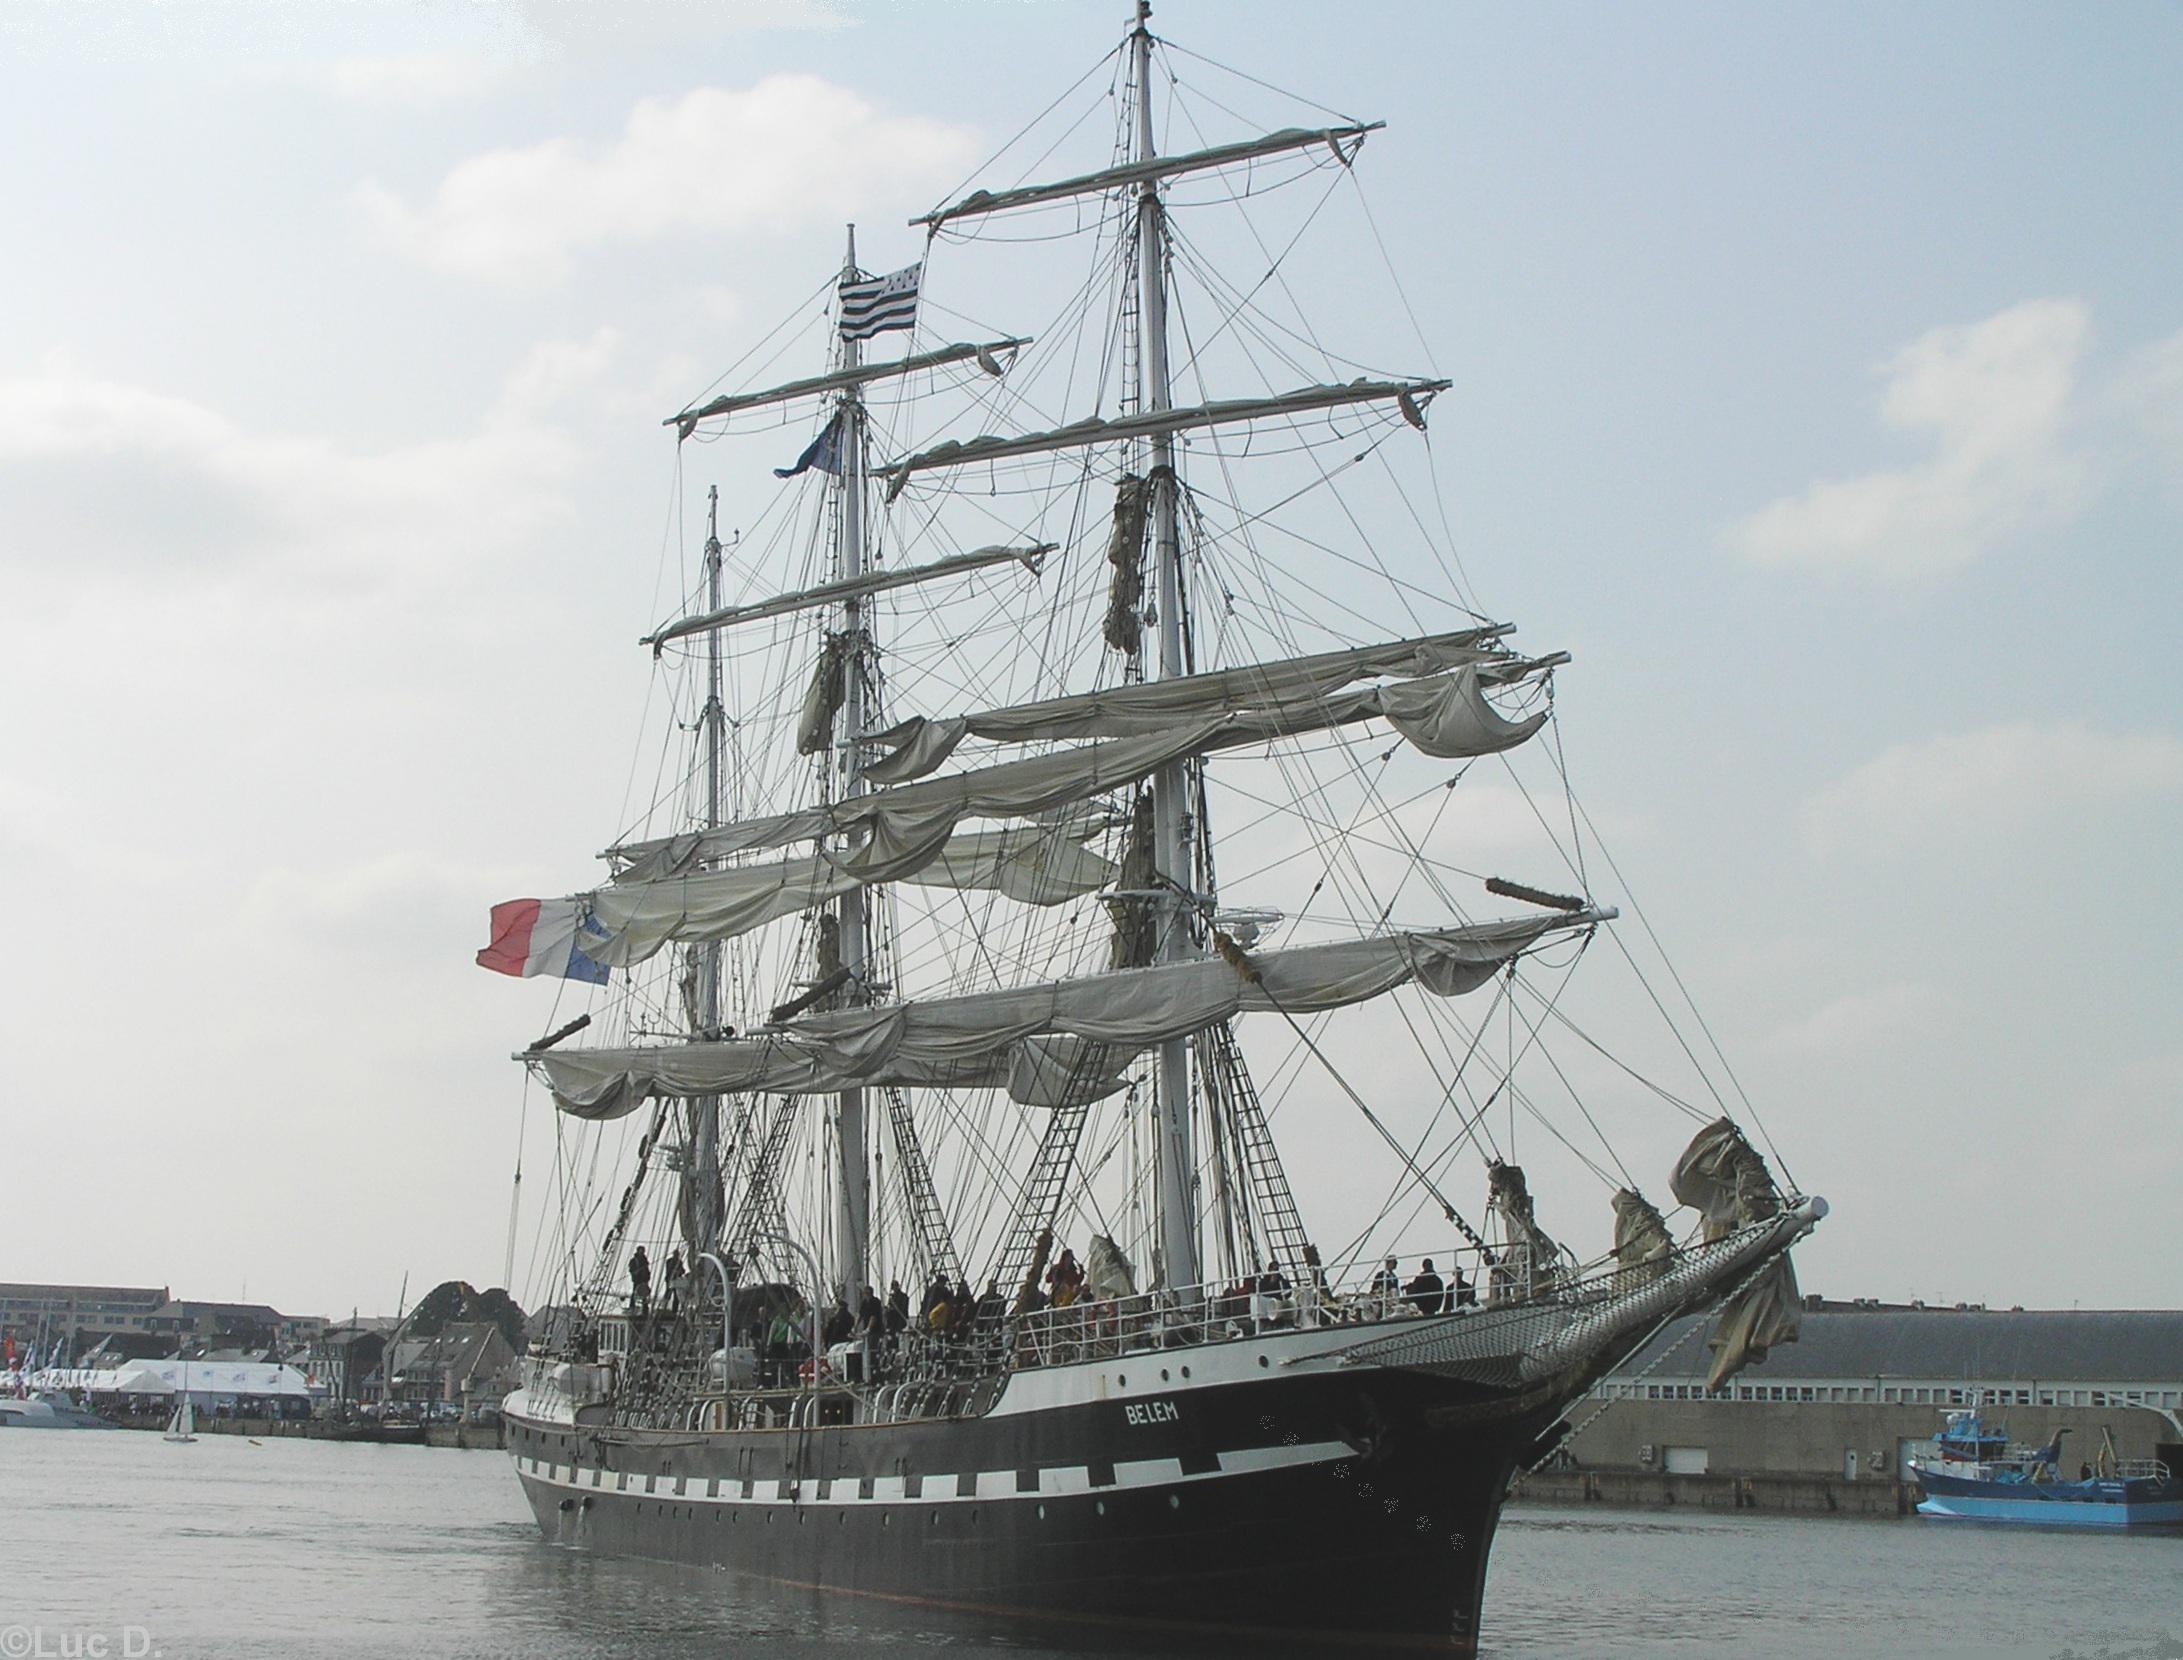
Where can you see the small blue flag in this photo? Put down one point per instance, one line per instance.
(824, 453)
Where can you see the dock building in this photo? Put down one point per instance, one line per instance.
(1864, 1388)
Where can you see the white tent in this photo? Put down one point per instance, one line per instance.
(210, 1382)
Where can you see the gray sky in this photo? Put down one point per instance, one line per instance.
(1819, 381)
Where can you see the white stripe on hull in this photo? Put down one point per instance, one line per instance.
(1053, 1482)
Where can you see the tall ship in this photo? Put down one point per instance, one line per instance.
(1089, 755)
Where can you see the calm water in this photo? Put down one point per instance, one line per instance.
(369, 1553)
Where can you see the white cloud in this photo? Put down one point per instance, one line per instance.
(2149, 393)
(1995, 400)
(554, 368)
(790, 151)
(1970, 784)
(101, 476)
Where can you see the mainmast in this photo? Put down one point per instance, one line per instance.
(852, 1206)
(1170, 798)
(701, 1203)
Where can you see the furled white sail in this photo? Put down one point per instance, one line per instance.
(985, 352)
(920, 744)
(1412, 395)
(1034, 864)
(1444, 715)
(1153, 167)
(978, 1040)
(827, 593)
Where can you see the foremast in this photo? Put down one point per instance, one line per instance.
(1173, 875)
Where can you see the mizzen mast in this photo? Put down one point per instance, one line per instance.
(1170, 795)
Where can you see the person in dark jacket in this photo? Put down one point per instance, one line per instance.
(1428, 1291)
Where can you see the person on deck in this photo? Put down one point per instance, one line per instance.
(1428, 1291)
(670, 1300)
(640, 1283)
(784, 1339)
(1386, 1287)
(840, 1323)
(1067, 1279)
(898, 1308)
(1466, 1294)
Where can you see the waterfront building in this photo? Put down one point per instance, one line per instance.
(1863, 1388)
(467, 1363)
(80, 1315)
(32, 1313)
(347, 1356)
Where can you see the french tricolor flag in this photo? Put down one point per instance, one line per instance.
(540, 936)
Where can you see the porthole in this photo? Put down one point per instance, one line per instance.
(842, 1520)
(1174, 1501)
(1100, 1507)
(1163, 1374)
(1263, 1361)
(1186, 1371)
(1121, 1380)
(936, 1518)
(886, 1518)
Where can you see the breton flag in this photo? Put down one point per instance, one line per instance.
(880, 303)
(542, 936)
(823, 452)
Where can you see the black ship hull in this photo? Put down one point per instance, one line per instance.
(1349, 1505)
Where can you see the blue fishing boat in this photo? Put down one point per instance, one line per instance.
(1976, 1477)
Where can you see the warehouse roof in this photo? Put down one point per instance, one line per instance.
(1843, 1340)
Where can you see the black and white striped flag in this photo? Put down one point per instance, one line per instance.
(880, 303)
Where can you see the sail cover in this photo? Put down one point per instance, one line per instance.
(1048, 1043)
(1291, 684)
(1033, 864)
(1724, 1178)
(906, 825)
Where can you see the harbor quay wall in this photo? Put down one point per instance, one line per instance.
(1776, 1494)
(466, 1436)
(1849, 1444)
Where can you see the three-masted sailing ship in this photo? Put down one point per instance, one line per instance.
(1054, 757)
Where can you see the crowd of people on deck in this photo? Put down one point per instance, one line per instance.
(875, 1328)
